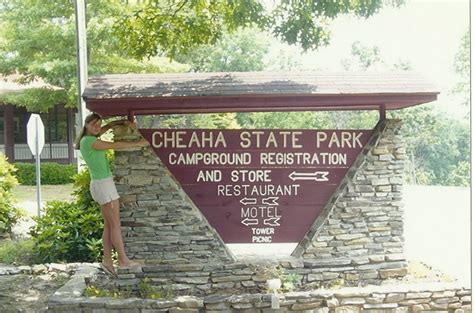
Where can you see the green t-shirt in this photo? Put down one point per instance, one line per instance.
(95, 159)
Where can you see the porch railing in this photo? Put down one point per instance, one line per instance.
(54, 151)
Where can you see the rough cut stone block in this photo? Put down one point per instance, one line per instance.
(315, 277)
(418, 295)
(180, 310)
(455, 305)
(306, 306)
(242, 306)
(393, 272)
(332, 303)
(380, 150)
(350, 301)
(352, 276)
(189, 302)
(466, 299)
(326, 263)
(135, 180)
(347, 309)
(381, 306)
(218, 306)
(395, 297)
(380, 181)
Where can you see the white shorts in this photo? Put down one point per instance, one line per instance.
(103, 190)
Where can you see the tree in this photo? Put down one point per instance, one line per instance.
(462, 66)
(174, 27)
(38, 41)
(241, 51)
(437, 146)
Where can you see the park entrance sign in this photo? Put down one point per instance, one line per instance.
(258, 186)
(337, 193)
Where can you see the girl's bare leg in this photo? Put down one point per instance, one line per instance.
(111, 213)
(107, 243)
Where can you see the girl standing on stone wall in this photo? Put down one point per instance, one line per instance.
(102, 186)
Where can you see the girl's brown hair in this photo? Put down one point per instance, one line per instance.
(90, 118)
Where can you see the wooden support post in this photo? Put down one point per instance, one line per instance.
(70, 135)
(382, 112)
(8, 130)
(131, 116)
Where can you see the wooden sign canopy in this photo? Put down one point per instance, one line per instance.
(144, 94)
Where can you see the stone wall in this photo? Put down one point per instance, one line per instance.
(360, 231)
(357, 239)
(160, 223)
(439, 297)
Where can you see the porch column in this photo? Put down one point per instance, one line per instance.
(70, 135)
(8, 131)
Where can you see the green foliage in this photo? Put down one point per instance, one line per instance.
(36, 99)
(147, 291)
(70, 231)
(289, 282)
(9, 214)
(95, 291)
(438, 145)
(213, 120)
(462, 66)
(64, 232)
(51, 173)
(175, 28)
(49, 52)
(238, 52)
(305, 120)
(19, 252)
(365, 57)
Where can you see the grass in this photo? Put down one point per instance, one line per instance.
(48, 192)
(19, 252)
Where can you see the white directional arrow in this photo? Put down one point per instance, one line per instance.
(246, 201)
(250, 221)
(316, 176)
(273, 221)
(270, 201)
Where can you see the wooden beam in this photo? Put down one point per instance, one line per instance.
(9, 132)
(382, 112)
(181, 105)
(70, 135)
(131, 115)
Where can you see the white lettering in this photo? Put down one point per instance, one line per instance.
(320, 137)
(209, 176)
(250, 176)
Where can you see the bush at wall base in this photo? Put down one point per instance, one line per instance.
(51, 173)
(9, 214)
(70, 231)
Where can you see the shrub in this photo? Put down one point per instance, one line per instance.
(20, 252)
(9, 214)
(51, 173)
(70, 231)
(64, 232)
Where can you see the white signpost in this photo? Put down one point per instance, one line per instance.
(35, 138)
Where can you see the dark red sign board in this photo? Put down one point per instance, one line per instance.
(258, 186)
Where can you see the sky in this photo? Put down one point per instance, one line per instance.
(427, 33)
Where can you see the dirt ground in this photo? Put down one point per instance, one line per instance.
(27, 293)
